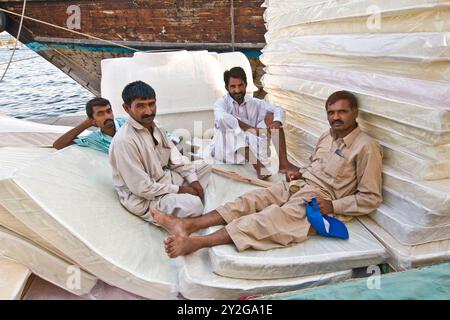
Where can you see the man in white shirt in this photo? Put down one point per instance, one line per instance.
(244, 125)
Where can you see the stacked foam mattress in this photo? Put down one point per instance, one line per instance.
(395, 57)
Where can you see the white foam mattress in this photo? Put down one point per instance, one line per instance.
(198, 281)
(420, 22)
(412, 211)
(314, 108)
(44, 264)
(22, 133)
(406, 257)
(13, 278)
(69, 200)
(12, 159)
(317, 255)
(432, 94)
(281, 14)
(296, 88)
(420, 47)
(405, 230)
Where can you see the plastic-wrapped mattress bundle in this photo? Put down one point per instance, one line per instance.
(395, 57)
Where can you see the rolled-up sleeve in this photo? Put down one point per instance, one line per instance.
(125, 158)
(369, 190)
(278, 112)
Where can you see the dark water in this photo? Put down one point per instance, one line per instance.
(35, 89)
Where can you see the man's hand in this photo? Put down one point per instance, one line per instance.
(88, 122)
(292, 175)
(269, 119)
(188, 190)
(276, 125)
(325, 206)
(198, 188)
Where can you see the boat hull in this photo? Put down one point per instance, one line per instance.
(111, 28)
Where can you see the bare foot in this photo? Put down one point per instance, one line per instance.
(176, 245)
(171, 224)
(262, 172)
(288, 167)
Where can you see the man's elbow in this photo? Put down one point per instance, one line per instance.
(57, 145)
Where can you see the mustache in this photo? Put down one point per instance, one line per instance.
(147, 116)
(108, 120)
(337, 122)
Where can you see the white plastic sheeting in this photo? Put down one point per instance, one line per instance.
(297, 88)
(11, 160)
(405, 257)
(45, 265)
(433, 94)
(282, 14)
(317, 255)
(175, 76)
(21, 133)
(13, 278)
(423, 47)
(198, 281)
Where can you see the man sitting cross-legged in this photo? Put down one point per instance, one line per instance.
(344, 176)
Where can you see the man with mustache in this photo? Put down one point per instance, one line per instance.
(344, 176)
(148, 170)
(245, 125)
(100, 115)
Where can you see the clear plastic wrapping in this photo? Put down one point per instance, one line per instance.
(404, 257)
(316, 256)
(198, 281)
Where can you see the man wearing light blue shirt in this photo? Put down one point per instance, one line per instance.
(99, 114)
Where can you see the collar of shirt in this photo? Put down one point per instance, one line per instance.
(235, 103)
(350, 138)
(135, 124)
(157, 134)
(106, 137)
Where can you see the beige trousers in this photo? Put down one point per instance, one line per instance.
(265, 219)
(182, 205)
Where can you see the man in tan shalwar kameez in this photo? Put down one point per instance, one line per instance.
(344, 175)
(148, 170)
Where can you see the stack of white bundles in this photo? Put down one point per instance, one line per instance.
(395, 56)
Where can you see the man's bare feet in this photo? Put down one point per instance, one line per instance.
(171, 224)
(177, 245)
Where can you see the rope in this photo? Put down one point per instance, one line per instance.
(72, 31)
(17, 40)
(30, 58)
(233, 28)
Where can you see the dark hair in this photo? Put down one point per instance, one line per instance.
(96, 102)
(342, 95)
(236, 72)
(137, 90)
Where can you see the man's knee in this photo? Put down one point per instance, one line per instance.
(190, 206)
